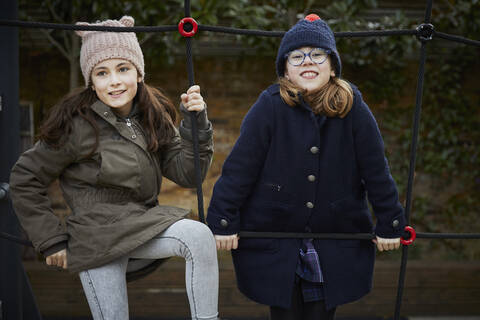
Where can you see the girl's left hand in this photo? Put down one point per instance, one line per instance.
(193, 100)
(226, 242)
(384, 244)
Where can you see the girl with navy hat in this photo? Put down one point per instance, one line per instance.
(308, 154)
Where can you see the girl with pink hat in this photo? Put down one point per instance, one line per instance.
(110, 144)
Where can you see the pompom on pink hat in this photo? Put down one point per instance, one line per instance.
(98, 46)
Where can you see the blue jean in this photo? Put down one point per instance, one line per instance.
(106, 289)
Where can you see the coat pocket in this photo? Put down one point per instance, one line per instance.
(119, 167)
(351, 215)
(270, 192)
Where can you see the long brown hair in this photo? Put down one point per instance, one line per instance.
(334, 99)
(157, 116)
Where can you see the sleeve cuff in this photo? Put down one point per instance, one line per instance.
(223, 226)
(54, 249)
(394, 229)
(202, 118)
(203, 134)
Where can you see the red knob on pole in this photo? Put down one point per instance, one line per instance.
(181, 26)
(413, 235)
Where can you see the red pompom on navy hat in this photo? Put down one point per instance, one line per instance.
(308, 32)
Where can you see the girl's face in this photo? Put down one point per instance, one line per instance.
(309, 75)
(116, 81)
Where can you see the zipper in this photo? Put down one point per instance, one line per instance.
(129, 124)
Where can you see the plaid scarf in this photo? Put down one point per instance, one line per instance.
(310, 272)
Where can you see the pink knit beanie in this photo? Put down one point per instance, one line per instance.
(98, 46)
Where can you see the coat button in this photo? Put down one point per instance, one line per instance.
(105, 114)
(224, 223)
(311, 178)
(314, 150)
(309, 205)
(134, 136)
(395, 223)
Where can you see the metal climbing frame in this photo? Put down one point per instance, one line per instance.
(188, 27)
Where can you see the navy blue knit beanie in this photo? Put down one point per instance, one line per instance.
(309, 32)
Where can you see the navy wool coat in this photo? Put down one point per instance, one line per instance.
(293, 171)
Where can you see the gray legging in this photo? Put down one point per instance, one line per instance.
(106, 289)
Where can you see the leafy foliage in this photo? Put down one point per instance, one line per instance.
(448, 162)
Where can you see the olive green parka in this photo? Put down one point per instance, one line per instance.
(112, 193)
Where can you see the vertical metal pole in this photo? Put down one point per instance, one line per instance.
(16, 298)
(10, 276)
(191, 81)
(413, 155)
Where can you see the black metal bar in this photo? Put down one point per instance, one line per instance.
(187, 8)
(343, 34)
(60, 26)
(227, 30)
(413, 155)
(15, 294)
(415, 130)
(456, 38)
(413, 150)
(10, 276)
(424, 235)
(193, 117)
(428, 11)
(4, 235)
(299, 235)
(401, 282)
(350, 236)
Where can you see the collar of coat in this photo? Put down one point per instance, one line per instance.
(275, 89)
(319, 119)
(106, 113)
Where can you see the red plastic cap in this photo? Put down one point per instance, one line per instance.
(312, 17)
(181, 26)
(413, 236)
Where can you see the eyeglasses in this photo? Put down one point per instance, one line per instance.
(317, 55)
